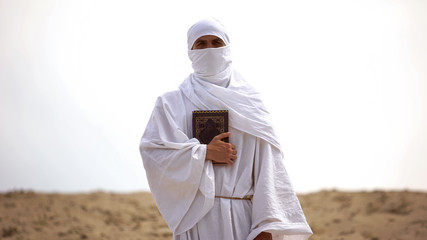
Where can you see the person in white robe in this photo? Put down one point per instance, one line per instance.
(249, 197)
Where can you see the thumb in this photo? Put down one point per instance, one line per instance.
(222, 135)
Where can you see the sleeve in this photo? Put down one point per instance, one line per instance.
(180, 179)
(276, 208)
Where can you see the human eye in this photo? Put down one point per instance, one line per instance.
(218, 42)
(199, 44)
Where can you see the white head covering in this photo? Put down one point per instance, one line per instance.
(210, 64)
(208, 26)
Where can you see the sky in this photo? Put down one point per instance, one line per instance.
(344, 80)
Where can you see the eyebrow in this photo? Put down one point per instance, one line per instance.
(218, 39)
(200, 41)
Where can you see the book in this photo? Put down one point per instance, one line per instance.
(209, 123)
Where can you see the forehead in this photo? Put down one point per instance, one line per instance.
(208, 38)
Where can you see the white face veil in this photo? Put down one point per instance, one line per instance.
(210, 64)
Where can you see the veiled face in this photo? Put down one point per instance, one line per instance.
(208, 41)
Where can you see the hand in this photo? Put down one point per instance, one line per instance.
(220, 151)
(264, 236)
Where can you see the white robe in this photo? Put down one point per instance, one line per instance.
(184, 184)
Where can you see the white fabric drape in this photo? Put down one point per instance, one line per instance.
(247, 111)
(212, 65)
(180, 179)
(184, 184)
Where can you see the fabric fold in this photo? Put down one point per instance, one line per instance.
(246, 110)
(176, 168)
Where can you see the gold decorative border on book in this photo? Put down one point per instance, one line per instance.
(211, 111)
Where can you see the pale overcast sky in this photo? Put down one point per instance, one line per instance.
(345, 81)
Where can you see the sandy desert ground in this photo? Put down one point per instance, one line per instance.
(333, 215)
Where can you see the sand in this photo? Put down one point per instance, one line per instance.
(100, 215)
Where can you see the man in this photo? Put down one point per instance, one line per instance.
(248, 197)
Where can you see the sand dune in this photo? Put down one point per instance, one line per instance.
(366, 215)
(99, 215)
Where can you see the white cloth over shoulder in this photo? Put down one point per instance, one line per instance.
(247, 111)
